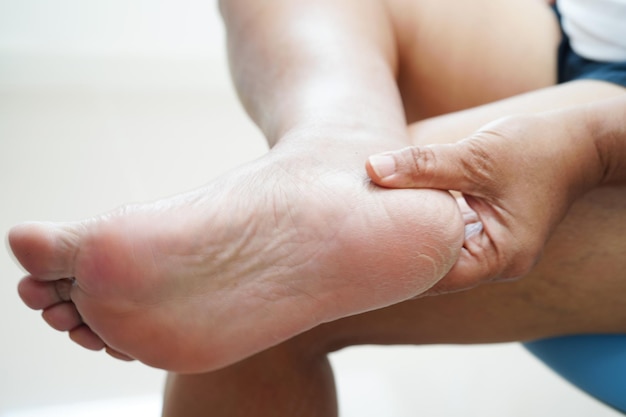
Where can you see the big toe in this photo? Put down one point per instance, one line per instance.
(45, 250)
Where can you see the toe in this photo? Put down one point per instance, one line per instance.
(118, 355)
(86, 338)
(46, 250)
(39, 295)
(62, 316)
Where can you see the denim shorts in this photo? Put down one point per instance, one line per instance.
(572, 66)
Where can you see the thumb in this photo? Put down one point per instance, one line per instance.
(431, 166)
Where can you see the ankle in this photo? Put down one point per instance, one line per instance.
(345, 146)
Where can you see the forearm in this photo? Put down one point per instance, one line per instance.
(315, 66)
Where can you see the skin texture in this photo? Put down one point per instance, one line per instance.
(292, 240)
(257, 252)
(574, 287)
(557, 156)
(270, 267)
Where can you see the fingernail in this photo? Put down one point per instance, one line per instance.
(473, 229)
(383, 165)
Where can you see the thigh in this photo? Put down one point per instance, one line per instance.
(459, 54)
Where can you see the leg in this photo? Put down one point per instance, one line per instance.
(281, 248)
(457, 55)
(200, 254)
(274, 248)
(284, 381)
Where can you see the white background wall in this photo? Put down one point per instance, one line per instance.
(105, 102)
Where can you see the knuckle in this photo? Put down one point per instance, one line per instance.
(478, 163)
(421, 161)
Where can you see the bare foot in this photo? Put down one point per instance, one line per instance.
(198, 281)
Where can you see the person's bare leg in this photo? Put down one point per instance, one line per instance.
(54, 299)
(288, 380)
(457, 55)
(206, 253)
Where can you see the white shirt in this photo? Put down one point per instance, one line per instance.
(596, 28)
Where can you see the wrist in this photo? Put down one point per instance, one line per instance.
(344, 115)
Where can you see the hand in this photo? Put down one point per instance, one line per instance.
(518, 177)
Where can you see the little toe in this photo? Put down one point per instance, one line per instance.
(86, 338)
(39, 295)
(46, 250)
(62, 316)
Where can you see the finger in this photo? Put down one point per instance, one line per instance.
(434, 166)
(479, 262)
(470, 216)
(464, 275)
(483, 259)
